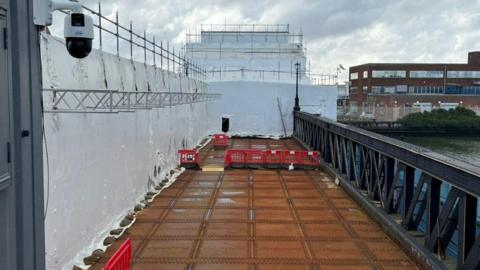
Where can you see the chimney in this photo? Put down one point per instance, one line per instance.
(474, 58)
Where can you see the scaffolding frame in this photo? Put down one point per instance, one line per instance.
(113, 101)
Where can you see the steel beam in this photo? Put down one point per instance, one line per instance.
(444, 223)
(467, 226)
(412, 219)
(388, 185)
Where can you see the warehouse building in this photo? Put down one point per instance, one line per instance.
(388, 91)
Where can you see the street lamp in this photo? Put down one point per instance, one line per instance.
(296, 108)
(340, 68)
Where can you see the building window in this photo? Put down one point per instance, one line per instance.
(425, 90)
(388, 90)
(426, 74)
(389, 74)
(365, 74)
(365, 89)
(463, 74)
(354, 76)
(353, 90)
(353, 107)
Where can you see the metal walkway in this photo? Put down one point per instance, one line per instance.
(258, 219)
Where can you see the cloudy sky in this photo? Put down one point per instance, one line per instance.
(347, 32)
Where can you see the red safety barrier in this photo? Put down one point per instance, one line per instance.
(309, 158)
(122, 258)
(291, 157)
(271, 158)
(254, 158)
(234, 157)
(220, 140)
(189, 158)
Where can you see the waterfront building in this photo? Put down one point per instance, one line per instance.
(390, 90)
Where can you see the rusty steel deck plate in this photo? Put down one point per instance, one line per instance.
(258, 219)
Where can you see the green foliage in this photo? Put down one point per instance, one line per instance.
(454, 118)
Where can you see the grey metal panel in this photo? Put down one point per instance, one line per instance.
(28, 247)
(5, 129)
(7, 200)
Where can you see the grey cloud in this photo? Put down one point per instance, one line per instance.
(343, 31)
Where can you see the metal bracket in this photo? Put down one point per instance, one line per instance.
(43, 9)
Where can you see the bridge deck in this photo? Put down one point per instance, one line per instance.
(258, 219)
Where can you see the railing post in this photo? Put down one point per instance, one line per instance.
(118, 33)
(173, 57)
(388, 186)
(100, 25)
(408, 187)
(467, 224)
(145, 46)
(433, 205)
(161, 54)
(154, 53)
(168, 56)
(131, 40)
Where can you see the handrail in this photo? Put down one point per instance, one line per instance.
(456, 172)
(419, 186)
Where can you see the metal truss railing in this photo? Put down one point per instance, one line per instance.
(112, 101)
(434, 196)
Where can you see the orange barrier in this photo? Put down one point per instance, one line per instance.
(122, 258)
(271, 158)
(189, 158)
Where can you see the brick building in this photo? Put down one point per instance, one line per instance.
(411, 87)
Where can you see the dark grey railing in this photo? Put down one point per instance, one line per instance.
(429, 192)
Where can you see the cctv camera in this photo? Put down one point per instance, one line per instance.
(78, 31)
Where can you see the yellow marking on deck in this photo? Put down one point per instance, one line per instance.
(212, 169)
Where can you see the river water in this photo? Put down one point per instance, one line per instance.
(464, 148)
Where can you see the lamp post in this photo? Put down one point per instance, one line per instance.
(296, 108)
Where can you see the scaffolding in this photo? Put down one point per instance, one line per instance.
(113, 101)
(227, 52)
(248, 33)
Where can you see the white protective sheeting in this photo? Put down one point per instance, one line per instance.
(253, 107)
(100, 165)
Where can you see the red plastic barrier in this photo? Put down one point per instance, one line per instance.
(236, 157)
(220, 140)
(189, 158)
(309, 158)
(291, 157)
(254, 157)
(122, 259)
(271, 158)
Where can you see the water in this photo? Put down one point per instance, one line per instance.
(463, 148)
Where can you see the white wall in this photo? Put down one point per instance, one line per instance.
(100, 165)
(253, 106)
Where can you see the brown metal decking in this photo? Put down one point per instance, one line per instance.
(258, 219)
